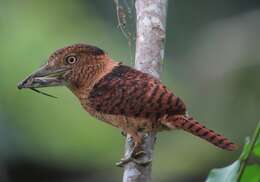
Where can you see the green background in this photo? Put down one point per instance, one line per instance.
(212, 61)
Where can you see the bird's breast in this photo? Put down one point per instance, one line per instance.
(123, 122)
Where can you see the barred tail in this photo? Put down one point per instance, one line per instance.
(192, 126)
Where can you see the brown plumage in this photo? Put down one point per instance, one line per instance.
(133, 94)
(124, 97)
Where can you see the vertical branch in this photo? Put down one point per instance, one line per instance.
(150, 37)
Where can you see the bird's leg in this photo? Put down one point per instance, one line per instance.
(139, 155)
(136, 153)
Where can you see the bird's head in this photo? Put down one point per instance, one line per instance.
(72, 66)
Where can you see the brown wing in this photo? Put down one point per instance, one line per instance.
(129, 92)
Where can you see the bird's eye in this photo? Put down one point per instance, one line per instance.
(71, 59)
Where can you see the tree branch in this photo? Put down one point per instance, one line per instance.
(150, 38)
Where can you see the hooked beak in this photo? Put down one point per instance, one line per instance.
(44, 77)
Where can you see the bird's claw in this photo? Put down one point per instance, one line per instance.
(123, 161)
(139, 154)
(123, 133)
(136, 158)
(142, 162)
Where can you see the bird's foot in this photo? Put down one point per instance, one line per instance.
(123, 133)
(142, 162)
(123, 161)
(137, 158)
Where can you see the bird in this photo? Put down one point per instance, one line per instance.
(124, 97)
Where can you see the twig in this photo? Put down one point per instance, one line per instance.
(121, 19)
(43, 93)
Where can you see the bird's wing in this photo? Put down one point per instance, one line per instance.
(129, 92)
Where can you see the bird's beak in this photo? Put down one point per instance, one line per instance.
(46, 76)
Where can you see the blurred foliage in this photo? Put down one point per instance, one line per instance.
(212, 63)
(227, 174)
(241, 170)
(251, 174)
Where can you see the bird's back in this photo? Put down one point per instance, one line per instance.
(132, 93)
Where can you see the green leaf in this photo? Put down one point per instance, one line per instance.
(251, 174)
(257, 147)
(246, 149)
(230, 173)
(256, 150)
(240, 170)
(227, 174)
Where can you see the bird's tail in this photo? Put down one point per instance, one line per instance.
(192, 126)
